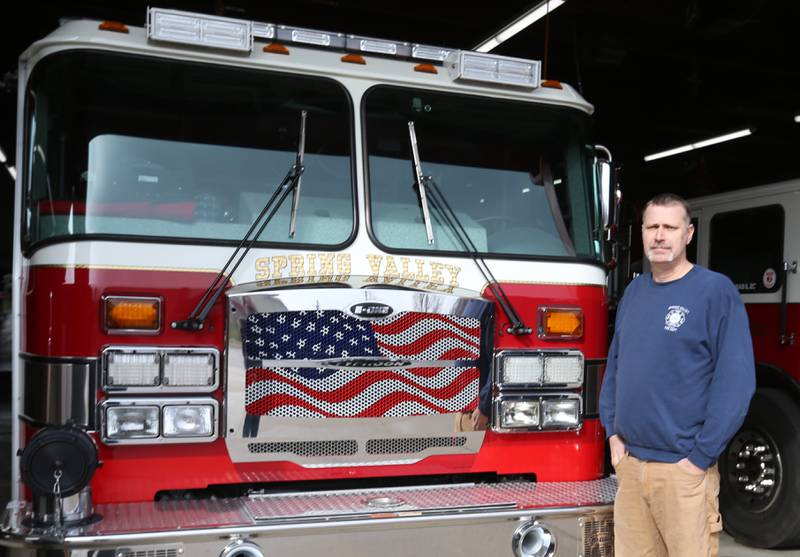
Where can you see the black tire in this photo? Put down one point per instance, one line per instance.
(758, 498)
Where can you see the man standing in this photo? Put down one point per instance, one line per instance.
(677, 386)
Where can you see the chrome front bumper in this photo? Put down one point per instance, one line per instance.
(464, 519)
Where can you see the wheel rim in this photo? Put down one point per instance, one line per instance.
(753, 470)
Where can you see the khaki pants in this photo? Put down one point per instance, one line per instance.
(662, 510)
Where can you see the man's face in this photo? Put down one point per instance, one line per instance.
(665, 233)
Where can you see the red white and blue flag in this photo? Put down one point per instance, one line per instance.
(292, 391)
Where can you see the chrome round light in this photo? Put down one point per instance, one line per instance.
(241, 548)
(533, 540)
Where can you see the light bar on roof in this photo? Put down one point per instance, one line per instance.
(488, 68)
(310, 36)
(378, 46)
(199, 29)
(263, 30)
(425, 52)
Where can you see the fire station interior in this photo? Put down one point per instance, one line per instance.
(661, 75)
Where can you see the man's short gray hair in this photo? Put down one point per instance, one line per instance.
(667, 199)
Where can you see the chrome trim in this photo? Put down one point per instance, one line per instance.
(162, 352)
(160, 403)
(368, 363)
(540, 323)
(58, 391)
(243, 429)
(541, 354)
(541, 397)
(188, 521)
(149, 332)
(518, 540)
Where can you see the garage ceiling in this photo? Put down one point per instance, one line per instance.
(660, 74)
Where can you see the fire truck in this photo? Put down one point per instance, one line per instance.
(282, 291)
(752, 236)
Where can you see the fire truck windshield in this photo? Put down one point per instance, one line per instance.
(517, 175)
(139, 147)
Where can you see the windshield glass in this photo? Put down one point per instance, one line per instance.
(518, 176)
(144, 147)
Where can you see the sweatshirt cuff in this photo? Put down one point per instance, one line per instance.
(700, 460)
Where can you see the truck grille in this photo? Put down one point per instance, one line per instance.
(307, 448)
(321, 334)
(360, 393)
(353, 376)
(363, 392)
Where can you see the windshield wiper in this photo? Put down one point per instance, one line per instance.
(301, 150)
(420, 182)
(290, 183)
(448, 216)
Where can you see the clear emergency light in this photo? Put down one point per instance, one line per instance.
(488, 68)
(201, 30)
(539, 368)
(140, 369)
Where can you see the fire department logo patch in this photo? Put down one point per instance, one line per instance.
(676, 316)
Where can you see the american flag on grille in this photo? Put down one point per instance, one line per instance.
(322, 392)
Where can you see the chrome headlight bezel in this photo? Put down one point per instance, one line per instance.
(542, 400)
(160, 404)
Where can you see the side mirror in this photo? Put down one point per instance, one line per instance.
(608, 192)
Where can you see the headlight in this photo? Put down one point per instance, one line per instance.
(518, 368)
(519, 413)
(531, 411)
(188, 421)
(132, 422)
(165, 420)
(563, 413)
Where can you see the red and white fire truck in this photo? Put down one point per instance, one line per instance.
(265, 276)
(753, 236)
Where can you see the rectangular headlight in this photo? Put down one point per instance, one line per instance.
(567, 369)
(189, 421)
(189, 369)
(519, 413)
(561, 413)
(131, 422)
(132, 369)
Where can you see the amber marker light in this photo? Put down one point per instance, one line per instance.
(354, 59)
(560, 323)
(552, 84)
(115, 26)
(426, 68)
(132, 314)
(276, 48)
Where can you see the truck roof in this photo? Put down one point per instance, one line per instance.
(322, 62)
(746, 194)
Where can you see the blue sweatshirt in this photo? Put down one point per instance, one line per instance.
(680, 370)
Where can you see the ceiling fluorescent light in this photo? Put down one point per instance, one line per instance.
(797, 118)
(12, 171)
(3, 155)
(519, 24)
(699, 145)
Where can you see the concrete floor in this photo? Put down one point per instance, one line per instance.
(728, 547)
